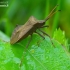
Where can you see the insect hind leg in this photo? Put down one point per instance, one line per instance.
(29, 42)
(25, 50)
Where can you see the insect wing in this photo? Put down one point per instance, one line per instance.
(18, 33)
(25, 31)
(15, 34)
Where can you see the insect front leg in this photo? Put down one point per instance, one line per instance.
(47, 35)
(44, 26)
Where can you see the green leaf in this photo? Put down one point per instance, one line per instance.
(8, 61)
(60, 37)
(40, 55)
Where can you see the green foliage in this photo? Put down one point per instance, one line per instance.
(60, 37)
(38, 56)
(7, 59)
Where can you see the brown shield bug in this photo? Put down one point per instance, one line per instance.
(23, 31)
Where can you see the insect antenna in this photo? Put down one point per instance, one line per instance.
(52, 13)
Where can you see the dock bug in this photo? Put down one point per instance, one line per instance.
(23, 31)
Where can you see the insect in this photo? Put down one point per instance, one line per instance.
(23, 31)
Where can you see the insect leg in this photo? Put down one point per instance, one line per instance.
(40, 35)
(25, 50)
(44, 26)
(29, 42)
(44, 33)
(47, 35)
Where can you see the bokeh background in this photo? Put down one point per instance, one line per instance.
(18, 12)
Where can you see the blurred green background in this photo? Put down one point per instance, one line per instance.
(18, 12)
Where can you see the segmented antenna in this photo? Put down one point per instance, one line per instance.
(52, 12)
